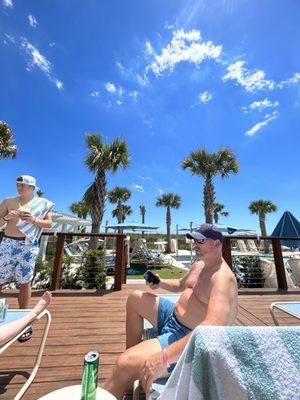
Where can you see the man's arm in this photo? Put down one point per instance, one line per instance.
(3, 212)
(175, 285)
(41, 223)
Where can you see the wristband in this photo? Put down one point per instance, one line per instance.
(6, 220)
(166, 358)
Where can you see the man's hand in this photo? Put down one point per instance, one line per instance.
(152, 285)
(27, 216)
(152, 369)
(13, 215)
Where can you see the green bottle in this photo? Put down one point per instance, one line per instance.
(90, 376)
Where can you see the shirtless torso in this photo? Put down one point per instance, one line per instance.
(9, 204)
(191, 308)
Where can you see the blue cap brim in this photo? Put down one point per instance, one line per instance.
(195, 235)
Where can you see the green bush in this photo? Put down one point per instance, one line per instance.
(92, 270)
(248, 271)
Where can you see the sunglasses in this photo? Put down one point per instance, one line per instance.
(200, 241)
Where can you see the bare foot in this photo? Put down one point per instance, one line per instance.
(43, 303)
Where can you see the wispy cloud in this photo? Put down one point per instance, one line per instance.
(138, 188)
(110, 87)
(251, 80)
(134, 94)
(161, 191)
(142, 80)
(257, 127)
(95, 93)
(290, 81)
(8, 3)
(119, 102)
(184, 47)
(149, 49)
(205, 97)
(36, 59)
(261, 105)
(120, 66)
(32, 21)
(145, 178)
(148, 123)
(9, 38)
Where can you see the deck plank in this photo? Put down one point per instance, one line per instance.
(96, 321)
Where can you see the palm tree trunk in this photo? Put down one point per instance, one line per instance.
(209, 199)
(168, 221)
(262, 224)
(143, 221)
(98, 208)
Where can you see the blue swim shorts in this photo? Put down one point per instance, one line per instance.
(17, 261)
(169, 328)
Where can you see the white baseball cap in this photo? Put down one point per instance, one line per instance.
(26, 180)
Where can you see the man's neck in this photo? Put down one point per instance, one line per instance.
(214, 263)
(26, 198)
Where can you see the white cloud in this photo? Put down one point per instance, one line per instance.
(138, 188)
(110, 87)
(160, 191)
(149, 48)
(10, 38)
(94, 93)
(147, 122)
(120, 66)
(39, 61)
(134, 94)
(205, 97)
(250, 80)
(260, 125)
(145, 178)
(119, 102)
(120, 91)
(142, 80)
(290, 81)
(169, 26)
(32, 21)
(52, 44)
(59, 84)
(8, 3)
(184, 46)
(261, 105)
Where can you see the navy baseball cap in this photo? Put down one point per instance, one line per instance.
(206, 231)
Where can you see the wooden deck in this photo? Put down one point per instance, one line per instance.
(84, 321)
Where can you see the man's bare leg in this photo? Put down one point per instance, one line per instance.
(1, 287)
(10, 330)
(128, 366)
(24, 295)
(139, 305)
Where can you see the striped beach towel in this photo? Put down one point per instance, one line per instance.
(39, 208)
(238, 363)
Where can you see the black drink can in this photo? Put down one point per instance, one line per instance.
(90, 376)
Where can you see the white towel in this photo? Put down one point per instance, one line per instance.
(39, 208)
(238, 363)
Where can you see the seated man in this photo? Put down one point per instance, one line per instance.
(209, 297)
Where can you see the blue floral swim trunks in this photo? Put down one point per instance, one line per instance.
(17, 261)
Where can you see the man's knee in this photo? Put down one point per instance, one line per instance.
(133, 297)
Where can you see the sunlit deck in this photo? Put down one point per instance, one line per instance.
(83, 321)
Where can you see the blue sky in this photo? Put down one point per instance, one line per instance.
(168, 76)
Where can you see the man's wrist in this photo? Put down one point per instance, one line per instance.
(6, 220)
(166, 358)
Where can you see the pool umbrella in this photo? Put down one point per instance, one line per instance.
(288, 226)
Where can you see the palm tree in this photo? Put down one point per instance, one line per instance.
(8, 149)
(119, 195)
(39, 192)
(209, 165)
(101, 159)
(142, 212)
(79, 208)
(121, 212)
(218, 210)
(168, 200)
(262, 208)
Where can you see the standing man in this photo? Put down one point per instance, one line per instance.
(25, 217)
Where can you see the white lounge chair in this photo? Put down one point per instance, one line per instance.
(294, 265)
(242, 246)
